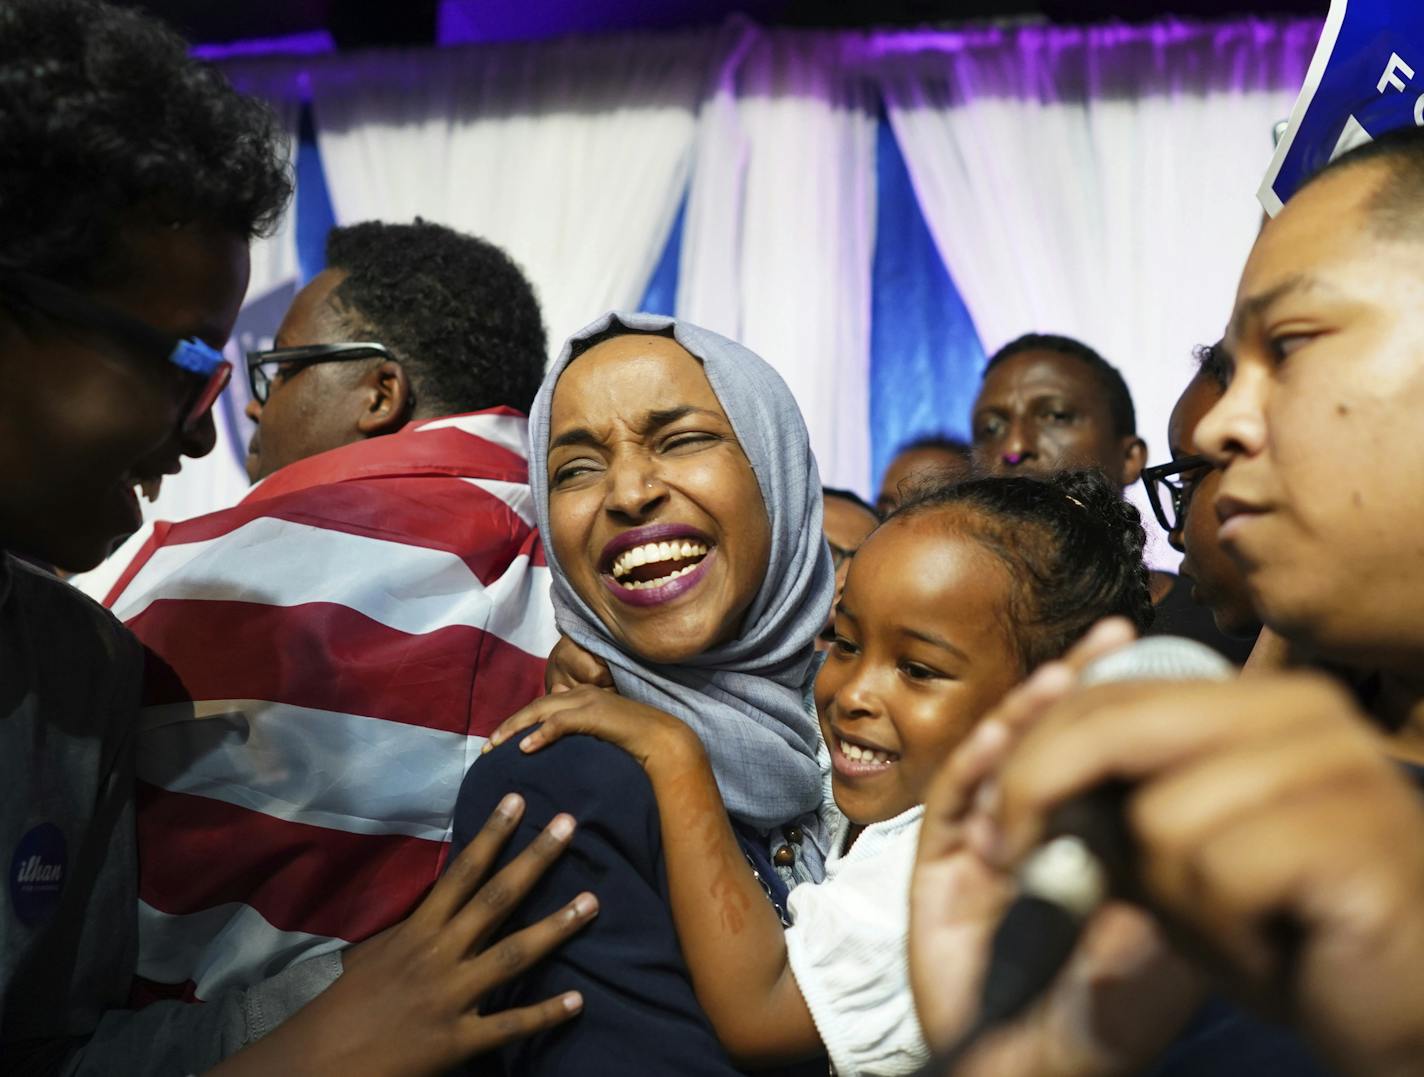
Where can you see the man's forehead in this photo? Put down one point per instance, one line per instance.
(316, 316)
(1039, 372)
(1323, 225)
(1313, 249)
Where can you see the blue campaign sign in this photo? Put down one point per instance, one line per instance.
(1366, 78)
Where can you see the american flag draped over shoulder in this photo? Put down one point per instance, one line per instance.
(326, 658)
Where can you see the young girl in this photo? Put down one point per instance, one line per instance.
(949, 603)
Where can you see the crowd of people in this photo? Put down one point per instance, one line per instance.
(607, 740)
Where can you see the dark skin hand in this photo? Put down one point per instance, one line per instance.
(407, 1001)
(1276, 840)
(1122, 997)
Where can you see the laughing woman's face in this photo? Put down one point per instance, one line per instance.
(654, 512)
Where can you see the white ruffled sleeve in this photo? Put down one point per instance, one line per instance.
(847, 950)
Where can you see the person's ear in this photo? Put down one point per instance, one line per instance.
(389, 400)
(1134, 459)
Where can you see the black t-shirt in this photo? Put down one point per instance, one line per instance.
(1178, 615)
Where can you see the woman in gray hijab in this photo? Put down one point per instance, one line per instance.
(680, 508)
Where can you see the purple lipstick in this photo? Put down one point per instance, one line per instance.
(652, 565)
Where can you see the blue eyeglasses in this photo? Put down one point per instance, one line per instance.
(199, 359)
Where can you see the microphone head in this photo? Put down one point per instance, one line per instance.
(1159, 658)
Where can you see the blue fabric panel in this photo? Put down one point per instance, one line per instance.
(661, 295)
(315, 217)
(925, 354)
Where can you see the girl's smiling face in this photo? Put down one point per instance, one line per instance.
(921, 652)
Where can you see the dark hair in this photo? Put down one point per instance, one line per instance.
(103, 117)
(1072, 546)
(941, 442)
(455, 310)
(1214, 362)
(1124, 415)
(1394, 209)
(848, 495)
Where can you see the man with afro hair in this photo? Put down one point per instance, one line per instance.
(459, 327)
(354, 626)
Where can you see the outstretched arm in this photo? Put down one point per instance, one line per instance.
(731, 936)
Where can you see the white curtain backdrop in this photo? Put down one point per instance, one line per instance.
(780, 225)
(571, 155)
(1097, 182)
(1090, 181)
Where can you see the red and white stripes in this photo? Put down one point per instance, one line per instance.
(325, 660)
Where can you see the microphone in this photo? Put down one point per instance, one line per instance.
(1087, 853)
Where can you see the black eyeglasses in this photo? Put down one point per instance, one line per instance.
(1179, 477)
(202, 360)
(264, 368)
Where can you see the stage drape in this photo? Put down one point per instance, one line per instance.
(1094, 181)
(1097, 182)
(572, 155)
(780, 226)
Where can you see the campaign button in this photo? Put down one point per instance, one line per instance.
(37, 872)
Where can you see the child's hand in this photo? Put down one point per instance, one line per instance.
(407, 1001)
(570, 666)
(643, 732)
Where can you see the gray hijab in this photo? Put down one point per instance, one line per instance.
(745, 699)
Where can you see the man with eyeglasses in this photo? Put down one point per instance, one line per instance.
(1276, 819)
(1182, 493)
(1050, 403)
(352, 628)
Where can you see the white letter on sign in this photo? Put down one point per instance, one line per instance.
(1419, 112)
(1391, 77)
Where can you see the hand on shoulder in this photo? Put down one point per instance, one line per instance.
(407, 1001)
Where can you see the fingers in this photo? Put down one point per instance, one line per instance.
(510, 957)
(1135, 730)
(586, 669)
(556, 675)
(552, 728)
(1184, 808)
(1022, 707)
(480, 1034)
(498, 897)
(570, 666)
(530, 714)
(952, 791)
(1108, 635)
(466, 870)
(1329, 849)
(536, 713)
